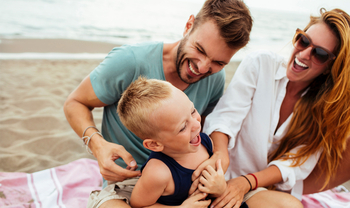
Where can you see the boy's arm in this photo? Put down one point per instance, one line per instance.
(153, 182)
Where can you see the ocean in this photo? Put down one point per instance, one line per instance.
(126, 22)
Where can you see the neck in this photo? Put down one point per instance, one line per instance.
(169, 65)
(296, 89)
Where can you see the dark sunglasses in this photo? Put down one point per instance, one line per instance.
(319, 55)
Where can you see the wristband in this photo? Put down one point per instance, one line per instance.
(88, 140)
(248, 182)
(256, 180)
(87, 129)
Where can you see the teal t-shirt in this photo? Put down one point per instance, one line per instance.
(125, 64)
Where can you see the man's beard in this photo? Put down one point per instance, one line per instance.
(180, 60)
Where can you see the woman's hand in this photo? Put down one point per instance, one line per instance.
(234, 193)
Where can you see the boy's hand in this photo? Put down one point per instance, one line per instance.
(196, 200)
(213, 182)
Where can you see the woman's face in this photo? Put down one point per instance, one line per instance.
(300, 67)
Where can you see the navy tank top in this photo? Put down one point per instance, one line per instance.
(181, 175)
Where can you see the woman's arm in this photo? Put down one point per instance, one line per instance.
(238, 187)
(220, 151)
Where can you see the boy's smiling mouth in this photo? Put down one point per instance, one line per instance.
(196, 141)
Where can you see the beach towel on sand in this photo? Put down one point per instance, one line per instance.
(69, 186)
(64, 186)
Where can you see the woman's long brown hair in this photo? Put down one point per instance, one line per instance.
(321, 118)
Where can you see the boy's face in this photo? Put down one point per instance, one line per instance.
(178, 124)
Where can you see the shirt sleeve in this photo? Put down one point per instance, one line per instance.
(293, 175)
(113, 75)
(232, 108)
(217, 90)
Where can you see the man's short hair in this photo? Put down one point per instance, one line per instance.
(232, 18)
(139, 101)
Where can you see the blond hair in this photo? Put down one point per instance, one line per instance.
(232, 18)
(139, 101)
(321, 119)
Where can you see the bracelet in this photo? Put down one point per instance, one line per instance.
(87, 129)
(256, 180)
(88, 140)
(248, 182)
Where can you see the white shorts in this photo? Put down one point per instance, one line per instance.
(118, 190)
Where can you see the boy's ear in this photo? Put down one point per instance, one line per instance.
(153, 145)
(189, 25)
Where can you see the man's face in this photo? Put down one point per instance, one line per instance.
(202, 52)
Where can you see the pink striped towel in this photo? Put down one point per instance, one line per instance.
(64, 186)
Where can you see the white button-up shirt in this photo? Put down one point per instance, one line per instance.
(248, 113)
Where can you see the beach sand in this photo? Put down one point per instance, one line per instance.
(34, 133)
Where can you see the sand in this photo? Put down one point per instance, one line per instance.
(34, 133)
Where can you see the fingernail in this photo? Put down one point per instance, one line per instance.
(132, 163)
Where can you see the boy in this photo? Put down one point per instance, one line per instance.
(169, 125)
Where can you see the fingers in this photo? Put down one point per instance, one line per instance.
(193, 186)
(197, 172)
(112, 172)
(126, 156)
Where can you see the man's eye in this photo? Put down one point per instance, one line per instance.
(200, 51)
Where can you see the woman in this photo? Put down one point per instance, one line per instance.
(280, 119)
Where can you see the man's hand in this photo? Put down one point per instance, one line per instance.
(213, 182)
(106, 153)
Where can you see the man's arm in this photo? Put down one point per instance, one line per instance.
(77, 109)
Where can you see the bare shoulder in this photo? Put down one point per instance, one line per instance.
(157, 171)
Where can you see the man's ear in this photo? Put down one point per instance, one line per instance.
(189, 25)
(153, 145)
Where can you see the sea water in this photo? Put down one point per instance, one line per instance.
(131, 21)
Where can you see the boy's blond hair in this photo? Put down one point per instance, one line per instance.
(139, 101)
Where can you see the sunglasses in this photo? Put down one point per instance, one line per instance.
(319, 55)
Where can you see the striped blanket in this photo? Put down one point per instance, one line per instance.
(69, 186)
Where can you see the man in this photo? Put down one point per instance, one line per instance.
(193, 65)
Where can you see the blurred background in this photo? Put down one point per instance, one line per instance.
(124, 22)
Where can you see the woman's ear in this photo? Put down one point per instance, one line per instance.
(153, 145)
(189, 25)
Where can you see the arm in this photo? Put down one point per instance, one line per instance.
(77, 108)
(224, 123)
(153, 184)
(238, 187)
(220, 151)
(213, 182)
(314, 182)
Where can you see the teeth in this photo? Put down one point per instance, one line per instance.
(300, 64)
(194, 72)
